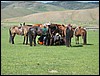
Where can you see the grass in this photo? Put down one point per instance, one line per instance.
(19, 59)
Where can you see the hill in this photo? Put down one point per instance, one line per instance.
(22, 8)
(87, 16)
(74, 5)
(11, 9)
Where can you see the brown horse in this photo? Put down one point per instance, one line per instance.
(79, 31)
(19, 30)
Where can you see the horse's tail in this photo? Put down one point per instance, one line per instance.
(85, 38)
(10, 35)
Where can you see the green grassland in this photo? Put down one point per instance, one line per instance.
(19, 59)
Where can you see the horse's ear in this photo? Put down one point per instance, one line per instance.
(62, 25)
(20, 24)
(24, 24)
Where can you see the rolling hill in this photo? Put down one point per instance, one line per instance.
(74, 5)
(22, 8)
(87, 16)
(11, 9)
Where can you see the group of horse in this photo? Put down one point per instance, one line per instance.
(55, 34)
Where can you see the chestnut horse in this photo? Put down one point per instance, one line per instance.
(79, 31)
(19, 30)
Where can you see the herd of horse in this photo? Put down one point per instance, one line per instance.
(55, 34)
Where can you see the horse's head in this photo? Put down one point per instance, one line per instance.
(39, 30)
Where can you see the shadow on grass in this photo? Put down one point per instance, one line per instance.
(78, 45)
(89, 44)
(22, 44)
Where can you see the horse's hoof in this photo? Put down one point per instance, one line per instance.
(34, 45)
(30, 45)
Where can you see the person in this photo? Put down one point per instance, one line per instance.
(42, 39)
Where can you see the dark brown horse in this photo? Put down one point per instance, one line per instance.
(79, 31)
(65, 32)
(52, 30)
(34, 31)
(19, 30)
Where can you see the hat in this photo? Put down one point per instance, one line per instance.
(44, 24)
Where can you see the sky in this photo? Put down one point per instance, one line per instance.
(77, 1)
(52, 1)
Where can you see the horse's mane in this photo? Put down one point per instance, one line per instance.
(14, 27)
(28, 25)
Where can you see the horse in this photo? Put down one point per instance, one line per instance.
(66, 33)
(52, 30)
(79, 31)
(19, 30)
(13, 31)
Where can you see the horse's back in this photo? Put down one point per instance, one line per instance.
(80, 31)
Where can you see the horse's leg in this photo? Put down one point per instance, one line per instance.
(64, 40)
(34, 38)
(50, 41)
(10, 38)
(70, 42)
(30, 39)
(84, 39)
(78, 39)
(67, 42)
(24, 40)
(13, 38)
